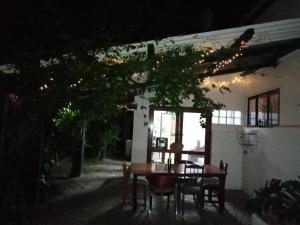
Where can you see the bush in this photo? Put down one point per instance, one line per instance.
(281, 198)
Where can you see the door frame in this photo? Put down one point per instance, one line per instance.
(178, 134)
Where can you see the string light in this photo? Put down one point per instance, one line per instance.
(43, 87)
(223, 63)
(125, 107)
(236, 80)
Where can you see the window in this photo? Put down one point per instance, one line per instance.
(263, 109)
(228, 117)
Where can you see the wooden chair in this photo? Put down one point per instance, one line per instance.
(213, 186)
(192, 184)
(161, 185)
(128, 185)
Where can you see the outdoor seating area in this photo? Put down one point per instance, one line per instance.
(160, 112)
(103, 203)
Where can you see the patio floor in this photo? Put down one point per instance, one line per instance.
(95, 199)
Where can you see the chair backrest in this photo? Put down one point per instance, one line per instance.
(226, 167)
(222, 167)
(193, 173)
(185, 162)
(177, 148)
(126, 172)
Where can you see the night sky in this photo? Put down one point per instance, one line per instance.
(50, 24)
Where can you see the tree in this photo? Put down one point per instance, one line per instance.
(98, 81)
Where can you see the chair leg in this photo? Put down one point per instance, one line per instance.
(221, 200)
(168, 201)
(150, 202)
(209, 195)
(124, 197)
(145, 198)
(182, 205)
(176, 201)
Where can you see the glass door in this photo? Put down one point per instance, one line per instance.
(163, 126)
(167, 128)
(193, 138)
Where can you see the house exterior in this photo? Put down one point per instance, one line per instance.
(255, 151)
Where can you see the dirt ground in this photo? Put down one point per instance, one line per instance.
(78, 200)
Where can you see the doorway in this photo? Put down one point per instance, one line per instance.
(167, 127)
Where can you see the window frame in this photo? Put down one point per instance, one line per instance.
(256, 97)
(227, 117)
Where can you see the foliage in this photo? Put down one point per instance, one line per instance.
(282, 198)
(174, 76)
(100, 83)
(100, 136)
(65, 133)
(65, 116)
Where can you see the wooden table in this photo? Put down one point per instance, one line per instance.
(150, 169)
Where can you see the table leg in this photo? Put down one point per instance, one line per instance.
(221, 194)
(134, 193)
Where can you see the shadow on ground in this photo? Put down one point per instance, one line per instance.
(101, 205)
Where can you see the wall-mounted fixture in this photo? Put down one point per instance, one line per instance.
(298, 108)
(248, 141)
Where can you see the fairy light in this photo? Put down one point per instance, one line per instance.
(124, 107)
(223, 63)
(219, 84)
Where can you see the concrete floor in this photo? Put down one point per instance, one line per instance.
(95, 199)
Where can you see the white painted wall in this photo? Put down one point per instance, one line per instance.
(224, 138)
(278, 150)
(277, 156)
(225, 146)
(286, 77)
(140, 132)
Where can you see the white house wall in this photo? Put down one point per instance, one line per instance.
(225, 143)
(277, 154)
(225, 138)
(140, 132)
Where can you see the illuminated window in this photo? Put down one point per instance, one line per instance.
(263, 109)
(228, 117)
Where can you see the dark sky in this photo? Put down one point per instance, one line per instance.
(49, 23)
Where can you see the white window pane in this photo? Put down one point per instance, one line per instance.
(230, 121)
(222, 120)
(184, 156)
(164, 125)
(156, 157)
(194, 158)
(237, 121)
(167, 157)
(238, 114)
(216, 113)
(193, 137)
(229, 113)
(215, 120)
(223, 113)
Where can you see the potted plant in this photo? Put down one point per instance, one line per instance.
(277, 202)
